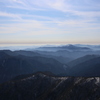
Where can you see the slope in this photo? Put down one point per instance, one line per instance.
(43, 87)
(87, 68)
(81, 60)
(11, 66)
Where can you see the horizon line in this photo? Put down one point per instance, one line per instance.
(46, 43)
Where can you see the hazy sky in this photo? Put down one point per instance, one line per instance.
(50, 21)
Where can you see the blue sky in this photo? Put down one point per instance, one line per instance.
(49, 21)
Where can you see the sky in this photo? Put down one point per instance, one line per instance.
(49, 22)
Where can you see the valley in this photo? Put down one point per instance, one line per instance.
(58, 74)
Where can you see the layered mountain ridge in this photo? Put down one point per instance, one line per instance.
(41, 86)
(60, 73)
(11, 66)
(14, 63)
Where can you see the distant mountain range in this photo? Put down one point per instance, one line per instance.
(13, 64)
(53, 47)
(65, 47)
(68, 72)
(69, 54)
(41, 86)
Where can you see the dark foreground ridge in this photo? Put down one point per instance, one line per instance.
(40, 86)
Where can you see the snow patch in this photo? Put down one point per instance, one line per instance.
(32, 77)
(89, 79)
(97, 80)
(77, 80)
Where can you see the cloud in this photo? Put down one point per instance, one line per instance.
(27, 8)
(49, 18)
(24, 27)
(87, 13)
(18, 1)
(20, 4)
(5, 14)
(66, 6)
(19, 27)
